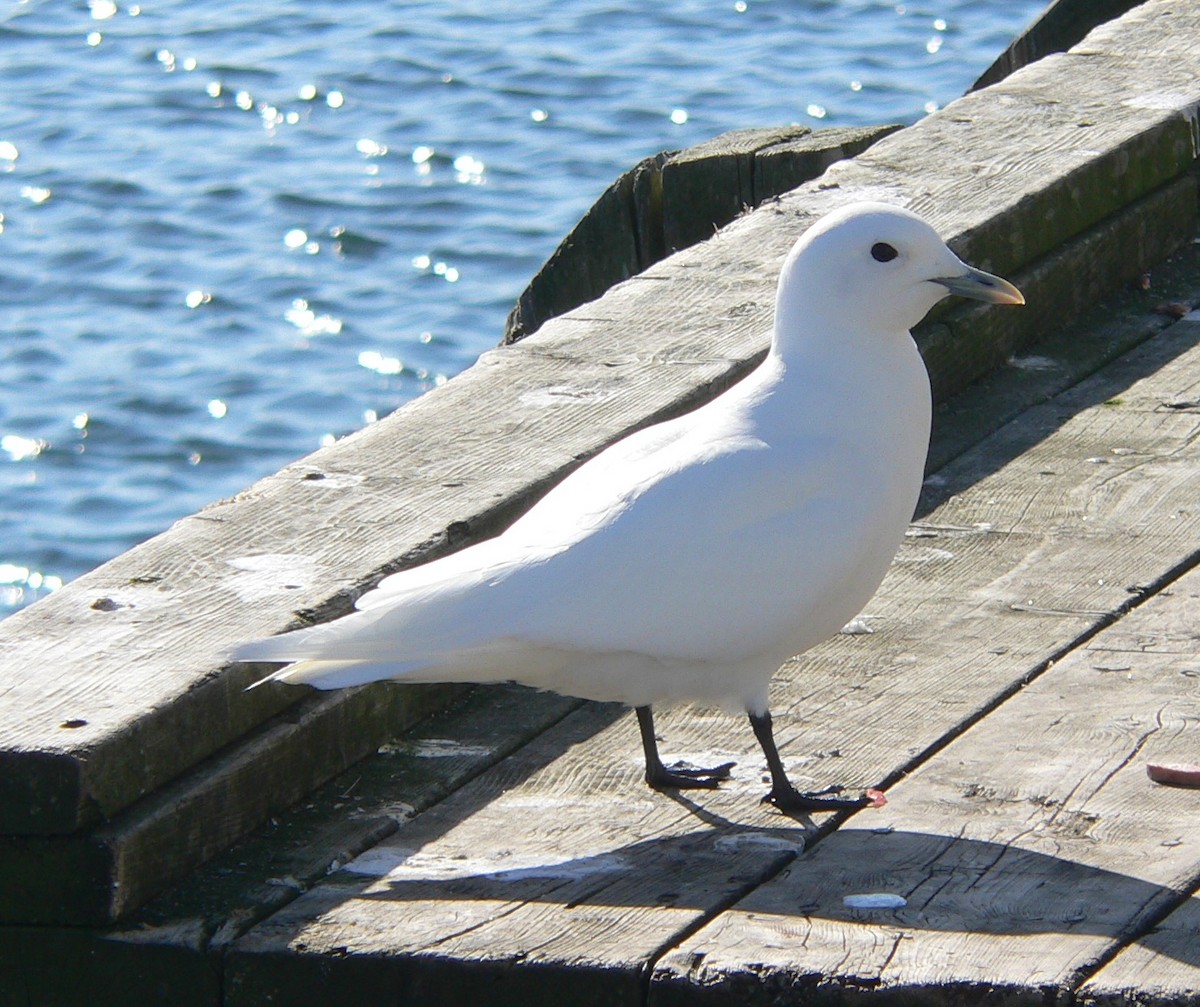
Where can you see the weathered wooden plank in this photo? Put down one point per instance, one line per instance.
(531, 885)
(135, 649)
(223, 900)
(90, 878)
(1026, 543)
(137, 674)
(1113, 325)
(785, 165)
(1062, 284)
(1034, 540)
(1049, 191)
(170, 950)
(1027, 851)
(1159, 970)
(149, 586)
(706, 186)
(1162, 968)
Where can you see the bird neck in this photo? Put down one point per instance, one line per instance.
(819, 343)
(814, 317)
(844, 358)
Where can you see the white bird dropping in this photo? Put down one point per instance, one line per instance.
(874, 900)
(689, 560)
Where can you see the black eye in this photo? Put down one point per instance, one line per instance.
(881, 251)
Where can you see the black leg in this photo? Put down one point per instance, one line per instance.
(786, 797)
(677, 778)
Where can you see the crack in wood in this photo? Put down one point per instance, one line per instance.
(1133, 754)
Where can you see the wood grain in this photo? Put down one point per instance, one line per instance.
(134, 652)
(1159, 970)
(707, 186)
(225, 899)
(178, 933)
(1061, 25)
(92, 877)
(386, 496)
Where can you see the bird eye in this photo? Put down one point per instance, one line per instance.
(881, 251)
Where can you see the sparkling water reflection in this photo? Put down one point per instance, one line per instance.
(232, 232)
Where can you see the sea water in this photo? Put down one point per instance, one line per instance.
(233, 231)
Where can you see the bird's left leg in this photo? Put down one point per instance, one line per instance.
(660, 777)
(786, 797)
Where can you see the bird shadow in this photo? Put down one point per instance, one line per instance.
(946, 884)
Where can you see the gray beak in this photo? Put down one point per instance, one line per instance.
(981, 286)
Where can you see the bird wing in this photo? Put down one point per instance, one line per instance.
(652, 539)
(666, 544)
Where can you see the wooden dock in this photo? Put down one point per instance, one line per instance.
(1031, 651)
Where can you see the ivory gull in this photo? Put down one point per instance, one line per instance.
(692, 558)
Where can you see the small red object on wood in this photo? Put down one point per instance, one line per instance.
(1175, 776)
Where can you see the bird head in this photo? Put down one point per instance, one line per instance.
(876, 268)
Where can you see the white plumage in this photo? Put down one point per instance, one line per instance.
(690, 559)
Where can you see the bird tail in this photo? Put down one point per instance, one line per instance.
(331, 674)
(298, 645)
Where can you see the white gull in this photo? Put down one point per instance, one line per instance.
(692, 558)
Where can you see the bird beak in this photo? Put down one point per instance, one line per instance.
(981, 286)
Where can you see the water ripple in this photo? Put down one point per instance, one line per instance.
(232, 232)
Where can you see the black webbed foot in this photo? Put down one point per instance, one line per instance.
(788, 798)
(679, 777)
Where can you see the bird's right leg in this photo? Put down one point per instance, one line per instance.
(677, 778)
(786, 797)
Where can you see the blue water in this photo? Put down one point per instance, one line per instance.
(234, 230)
